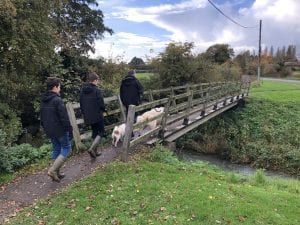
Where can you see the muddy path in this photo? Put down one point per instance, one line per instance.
(24, 191)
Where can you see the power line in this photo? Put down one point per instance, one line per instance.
(229, 17)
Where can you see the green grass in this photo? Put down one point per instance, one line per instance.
(147, 192)
(277, 91)
(144, 75)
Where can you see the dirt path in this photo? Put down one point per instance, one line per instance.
(28, 189)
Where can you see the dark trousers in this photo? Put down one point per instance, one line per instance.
(97, 129)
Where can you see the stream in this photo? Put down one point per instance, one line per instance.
(226, 165)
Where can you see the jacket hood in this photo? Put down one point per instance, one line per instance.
(46, 97)
(88, 88)
(128, 80)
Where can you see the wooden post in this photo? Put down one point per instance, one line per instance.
(150, 96)
(188, 109)
(173, 99)
(205, 102)
(122, 108)
(161, 133)
(226, 93)
(76, 133)
(248, 87)
(128, 133)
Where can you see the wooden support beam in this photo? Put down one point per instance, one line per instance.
(128, 133)
(122, 109)
(76, 133)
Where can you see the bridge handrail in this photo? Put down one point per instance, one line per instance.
(195, 94)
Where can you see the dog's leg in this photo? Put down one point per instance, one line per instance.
(117, 140)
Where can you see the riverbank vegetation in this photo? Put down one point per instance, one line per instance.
(265, 133)
(159, 189)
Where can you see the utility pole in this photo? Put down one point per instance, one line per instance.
(259, 52)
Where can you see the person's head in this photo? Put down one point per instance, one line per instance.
(131, 73)
(92, 78)
(53, 84)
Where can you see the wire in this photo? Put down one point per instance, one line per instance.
(229, 17)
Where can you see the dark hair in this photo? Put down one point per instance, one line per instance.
(52, 82)
(92, 77)
(131, 72)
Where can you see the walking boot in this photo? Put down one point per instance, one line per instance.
(53, 171)
(93, 149)
(60, 174)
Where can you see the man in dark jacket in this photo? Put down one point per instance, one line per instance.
(92, 108)
(131, 90)
(56, 124)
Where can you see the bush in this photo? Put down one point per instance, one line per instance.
(15, 157)
(9, 124)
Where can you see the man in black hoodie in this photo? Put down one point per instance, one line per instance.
(131, 90)
(92, 108)
(56, 123)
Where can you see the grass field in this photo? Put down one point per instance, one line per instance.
(277, 91)
(162, 190)
(144, 75)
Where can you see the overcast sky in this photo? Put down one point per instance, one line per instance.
(144, 28)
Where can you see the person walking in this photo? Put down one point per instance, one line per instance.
(56, 124)
(131, 90)
(92, 107)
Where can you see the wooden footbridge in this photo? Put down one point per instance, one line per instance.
(186, 107)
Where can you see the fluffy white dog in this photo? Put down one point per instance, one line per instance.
(148, 115)
(118, 134)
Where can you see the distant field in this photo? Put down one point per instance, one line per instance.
(277, 91)
(144, 75)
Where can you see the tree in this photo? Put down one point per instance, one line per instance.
(43, 37)
(136, 62)
(219, 53)
(173, 65)
(78, 24)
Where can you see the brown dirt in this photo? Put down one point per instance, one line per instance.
(24, 191)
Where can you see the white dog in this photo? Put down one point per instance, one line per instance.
(118, 134)
(148, 115)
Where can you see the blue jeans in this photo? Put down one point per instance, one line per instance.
(61, 146)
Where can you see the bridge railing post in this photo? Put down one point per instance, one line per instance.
(150, 96)
(226, 91)
(76, 133)
(128, 133)
(218, 96)
(206, 98)
(188, 109)
(161, 133)
(122, 108)
(248, 88)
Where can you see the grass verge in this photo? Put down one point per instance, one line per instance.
(162, 190)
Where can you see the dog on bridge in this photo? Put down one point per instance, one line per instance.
(149, 115)
(118, 134)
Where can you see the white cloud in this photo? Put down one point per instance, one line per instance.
(126, 45)
(197, 21)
